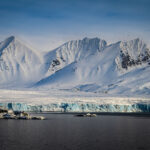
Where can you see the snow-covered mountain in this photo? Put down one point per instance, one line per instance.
(92, 65)
(80, 65)
(72, 51)
(19, 64)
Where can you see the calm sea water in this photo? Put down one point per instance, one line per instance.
(66, 132)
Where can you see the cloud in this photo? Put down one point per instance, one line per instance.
(66, 19)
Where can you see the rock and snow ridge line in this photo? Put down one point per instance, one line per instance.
(93, 66)
(88, 65)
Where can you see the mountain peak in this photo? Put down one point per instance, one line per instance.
(11, 38)
(6, 42)
(137, 40)
(136, 44)
(93, 40)
(134, 41)
(92, 44)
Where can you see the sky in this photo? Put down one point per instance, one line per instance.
(46, 24)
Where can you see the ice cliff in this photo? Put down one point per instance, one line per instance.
(77, 107)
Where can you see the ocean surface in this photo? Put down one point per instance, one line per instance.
(67, 132)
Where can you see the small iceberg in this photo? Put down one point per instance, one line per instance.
(10, 114)
(86, 115)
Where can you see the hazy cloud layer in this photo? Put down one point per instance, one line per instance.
(63, 20)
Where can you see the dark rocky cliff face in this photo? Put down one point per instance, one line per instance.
(134, 52)
(127, 61)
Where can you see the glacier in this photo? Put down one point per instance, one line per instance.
(66, 101)
(77, 107)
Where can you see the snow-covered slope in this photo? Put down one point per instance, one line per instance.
(19, 64)
(88, 65)
(122, 67)
(72, 51)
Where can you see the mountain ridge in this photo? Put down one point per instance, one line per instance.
(89, 64)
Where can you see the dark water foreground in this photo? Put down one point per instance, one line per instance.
(66, 132)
